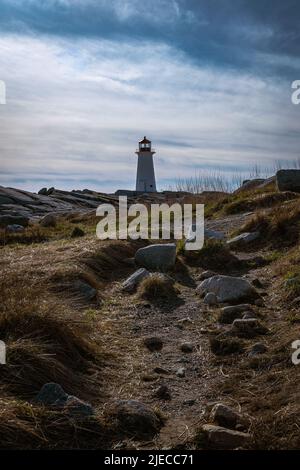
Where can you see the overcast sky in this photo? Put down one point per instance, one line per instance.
(208, 81)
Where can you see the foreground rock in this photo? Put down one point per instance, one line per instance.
(222, 438)
(288, 180)
(133, 418)
(134, 280)
(231, 313)
(243, 239)
(157, 257)
(225, 416)
(53, 395)
(227, 288)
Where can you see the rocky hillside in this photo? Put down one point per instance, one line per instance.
(140, 345)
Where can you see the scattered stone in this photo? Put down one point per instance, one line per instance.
(222, 438)
(77, 232)
(223, 345)
(206, 275)
(258, 348)
(247, 328)
(48, 220)
(133, 418)
(210, 299)
(161, 371)
(229, 314)
(135, 279)
(159, 257)
(185, 320)
(75, 406)
(15, 228)
(163, 392)
(214, 235)
(225, 416)
(227, 288)
(243, 239)
(187, 347)
(85, 290)
(180, 372)
(6, 220)
(288, 180)
(189, 402)
(153, 343)
(52, 394)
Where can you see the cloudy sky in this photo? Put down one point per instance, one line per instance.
(208, 81)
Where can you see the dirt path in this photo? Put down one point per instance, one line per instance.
(140, 372)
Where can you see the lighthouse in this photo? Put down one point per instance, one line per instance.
(145, 177)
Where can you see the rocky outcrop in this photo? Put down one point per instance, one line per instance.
(288, 180)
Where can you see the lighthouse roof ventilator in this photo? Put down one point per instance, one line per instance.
(145, 177)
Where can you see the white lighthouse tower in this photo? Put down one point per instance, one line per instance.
(145, 177)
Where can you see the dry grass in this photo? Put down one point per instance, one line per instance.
(214, 255)
(249, 201)
(157, 287)
(49, 339)
(279, 227)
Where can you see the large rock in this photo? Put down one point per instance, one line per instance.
(6, 220)
(133, 418)
(231, 313)
(222, 438)
(288, 180)
(159, 257)
(227, 288)
(135, 279)
(243, 239)
(225, 416)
